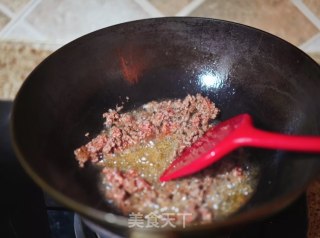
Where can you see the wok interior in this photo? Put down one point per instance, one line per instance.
(241, 69)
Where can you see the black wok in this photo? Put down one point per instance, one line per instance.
(240, 68)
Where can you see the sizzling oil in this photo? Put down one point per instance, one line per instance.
(150, 159)
(225, 194)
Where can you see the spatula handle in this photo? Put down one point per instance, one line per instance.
(260, 138)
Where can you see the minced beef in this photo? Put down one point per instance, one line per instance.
(213, 193)
(137, 146)
(188, 119)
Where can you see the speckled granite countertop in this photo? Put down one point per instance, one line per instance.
(17, 60)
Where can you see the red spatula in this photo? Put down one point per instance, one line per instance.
(229, 135)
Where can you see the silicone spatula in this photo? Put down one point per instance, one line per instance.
(236, 132)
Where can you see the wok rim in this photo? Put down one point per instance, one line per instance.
(259, 213)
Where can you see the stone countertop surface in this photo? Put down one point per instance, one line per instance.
(18, 59)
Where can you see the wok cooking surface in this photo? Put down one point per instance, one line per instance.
(45, 218)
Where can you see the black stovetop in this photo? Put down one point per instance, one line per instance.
(28, 212)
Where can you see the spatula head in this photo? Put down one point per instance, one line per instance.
(216, 142)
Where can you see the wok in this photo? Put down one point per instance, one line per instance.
(242, 69)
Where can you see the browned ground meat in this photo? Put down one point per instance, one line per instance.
(137, 146)
(188, 118)
(212, 194)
